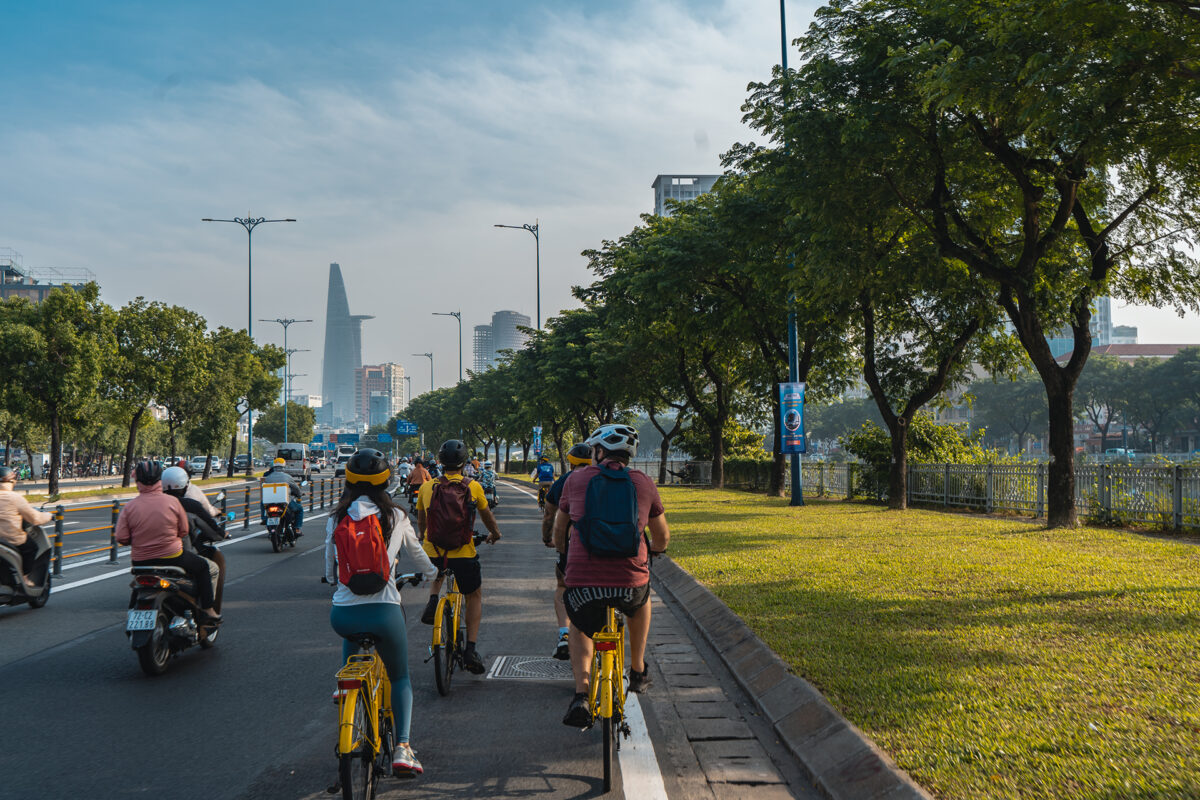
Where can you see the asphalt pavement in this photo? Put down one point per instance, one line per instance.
(252, 718)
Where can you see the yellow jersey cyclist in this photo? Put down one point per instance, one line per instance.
(446, 509)
(596, 581)
(578, 456)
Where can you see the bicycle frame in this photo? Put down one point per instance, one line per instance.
(606, 689)
(363, 674)
(451, 602)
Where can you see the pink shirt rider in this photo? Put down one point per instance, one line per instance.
(582, 568)
(159, 520)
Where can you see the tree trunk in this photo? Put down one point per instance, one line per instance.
(778, 473)
(232, 453)
(898, 469)
(29, 458)
(207, 467)
(134, 424)
(1060, 480)
(55, 460)
(716, 437)
(8, 443)
(664, 450)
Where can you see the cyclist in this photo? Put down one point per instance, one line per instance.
(463, 560)
(578, 456)
(543, 473)
(154, 526)
(15, 509)
(379, 614)
(593, 582)
(487, 479)
(295, 509)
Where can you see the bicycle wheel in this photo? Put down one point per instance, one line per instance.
(356, 771)
(608, 752)
(443, 656)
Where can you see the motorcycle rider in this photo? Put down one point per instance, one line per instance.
(295, 508)
(403, 469)
(194, 491)
(154, 525)
(175, 482)
(15, 509)
(487, 479)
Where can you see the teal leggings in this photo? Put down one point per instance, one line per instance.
(386, 622)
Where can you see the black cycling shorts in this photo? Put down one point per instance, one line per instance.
(466, 571)
(587, 606)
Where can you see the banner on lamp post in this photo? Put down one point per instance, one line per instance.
(789, 418)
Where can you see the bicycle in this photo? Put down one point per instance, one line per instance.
(449, 634)
(543, 490)
(607, 689)
(366, 724)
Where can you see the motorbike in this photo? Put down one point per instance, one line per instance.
(489, 492)
(164, 609)
(13, 589)
(281, 523)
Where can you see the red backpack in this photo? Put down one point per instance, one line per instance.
(361, 554)
(451, 514)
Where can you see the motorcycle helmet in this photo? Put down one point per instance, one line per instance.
(8, 475)
(368, 467)
(279, 462)
(487, 465)
(453, 454)
(175, 480)
(615, 439)
(579, 454)
(148, 472)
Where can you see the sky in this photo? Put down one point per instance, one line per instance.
(396, 133)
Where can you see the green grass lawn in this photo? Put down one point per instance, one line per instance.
(991, 658)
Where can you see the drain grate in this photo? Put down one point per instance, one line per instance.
(530, 668)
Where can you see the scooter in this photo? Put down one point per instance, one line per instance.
(13, 589)
(164, 608)
(280, 526)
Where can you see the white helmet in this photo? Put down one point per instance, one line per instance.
(174, 478)
(615, 439)
(487, 464)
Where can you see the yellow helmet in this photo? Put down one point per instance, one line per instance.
(279, 462)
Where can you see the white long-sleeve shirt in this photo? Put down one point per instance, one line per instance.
(402, 534)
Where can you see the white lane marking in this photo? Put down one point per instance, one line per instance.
(105, 576)
(522, 491)
(640, 774)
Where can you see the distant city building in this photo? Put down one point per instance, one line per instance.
(502, 334)
(1132, 352)
(380, 406)
(380, 380)
(482, 348)
(679, 187)
(343, 352)
(310, 400)
(16, 280)
(1124, 334)
(1063, 340)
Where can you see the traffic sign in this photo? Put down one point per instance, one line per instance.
(383, 438)
(405, 428)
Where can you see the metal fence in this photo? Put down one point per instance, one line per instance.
(680, 472)
(321, 492)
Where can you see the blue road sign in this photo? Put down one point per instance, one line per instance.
(405, 428)
(383, 438)
(318, 437)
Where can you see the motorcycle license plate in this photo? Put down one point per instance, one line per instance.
(272, 522)
(140, 620)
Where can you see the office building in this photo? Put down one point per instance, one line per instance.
(1124, 334)
(343, 352)
(309, 400)
(17, 280)
(482, 348)
(379, 380)
(679, 187)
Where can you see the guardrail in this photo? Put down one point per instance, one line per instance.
(322, 492)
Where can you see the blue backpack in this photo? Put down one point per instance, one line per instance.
(609, 526)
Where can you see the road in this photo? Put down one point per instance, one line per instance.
(252, 718)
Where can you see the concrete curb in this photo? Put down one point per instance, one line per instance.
(841, 761)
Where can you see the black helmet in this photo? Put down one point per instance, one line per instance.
(368, 467)
(8, 474)
(579, 455)
(453, 453)
(148, 472)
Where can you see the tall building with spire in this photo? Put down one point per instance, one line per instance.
(343, 351)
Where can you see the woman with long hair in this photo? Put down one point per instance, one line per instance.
(379, 613)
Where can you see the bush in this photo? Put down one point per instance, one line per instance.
(748, 473)
(928, 443)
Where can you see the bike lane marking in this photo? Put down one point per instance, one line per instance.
(105, 576)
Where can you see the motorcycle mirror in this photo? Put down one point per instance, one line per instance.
(231, 516)
(303, 483)
(220, 496)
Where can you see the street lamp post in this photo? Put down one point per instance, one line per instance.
(538, 251)
(458, 316)
(287, 367)
(249, 223)
(430, 357)
(408, 397)
(797, 498)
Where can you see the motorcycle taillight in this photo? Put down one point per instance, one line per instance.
(152, 582)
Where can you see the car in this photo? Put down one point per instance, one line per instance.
(198, 464)
(339, 468)
(239, 462)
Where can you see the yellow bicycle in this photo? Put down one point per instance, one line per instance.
(606, 689)
(366, 724)
(449, 635)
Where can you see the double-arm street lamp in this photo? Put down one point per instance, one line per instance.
(458, 316)
(286, 389)
(430, 357)
(249, 223)
(538, 252)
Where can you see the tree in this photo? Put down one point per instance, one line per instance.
(54, 353)
(1099, 391)
(1005, 406)
(836, 418)
(243, 379)
(1147, 401)
(300, 422)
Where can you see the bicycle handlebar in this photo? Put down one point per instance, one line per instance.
(413, 578)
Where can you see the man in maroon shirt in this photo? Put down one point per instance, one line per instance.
(596, 582)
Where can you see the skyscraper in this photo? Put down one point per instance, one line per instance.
(679, 187)
(505, 335)
(382, 380)
(482, 348)
(343, 350)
